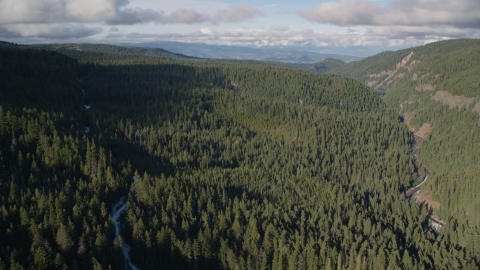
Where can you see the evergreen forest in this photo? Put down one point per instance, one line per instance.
(436, 89)
(129, 158)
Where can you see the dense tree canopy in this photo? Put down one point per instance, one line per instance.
(437, 85)
(235, 165)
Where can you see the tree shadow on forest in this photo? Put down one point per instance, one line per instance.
(139, 158)
(140, 106)
(176, 260)
(137, 106)
(134, 85)
(168, 256)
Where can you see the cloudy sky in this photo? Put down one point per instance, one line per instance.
(245, 23)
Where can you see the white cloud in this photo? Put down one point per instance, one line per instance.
(237, 14)
(18, 11)
(134, 16)
(409, 20)
(280, 28)
(52, 31)
(279, 36)
(349, 22)
(346, 13)
(54, 18)
(232, 14)
(206, 31)
(92, 10)
(113, 12)
(459, 13)
(55, 11)
(420, 31)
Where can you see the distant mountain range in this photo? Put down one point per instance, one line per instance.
(103, 49)
(274, 54)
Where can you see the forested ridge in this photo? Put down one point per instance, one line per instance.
(225, 165)
(436, 88)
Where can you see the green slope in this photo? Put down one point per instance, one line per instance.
(436, 87)
(104, 52)
(325, 66)
(236, 166)
(328, 65)
(385, 71)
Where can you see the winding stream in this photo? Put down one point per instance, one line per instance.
(436, 222)
(117, 211)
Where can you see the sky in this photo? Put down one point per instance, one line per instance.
(242, 23)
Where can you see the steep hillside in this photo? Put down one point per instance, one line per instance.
(166, 164)
(436, 88)
(327, 65)
(101, 52)
(388, 70)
